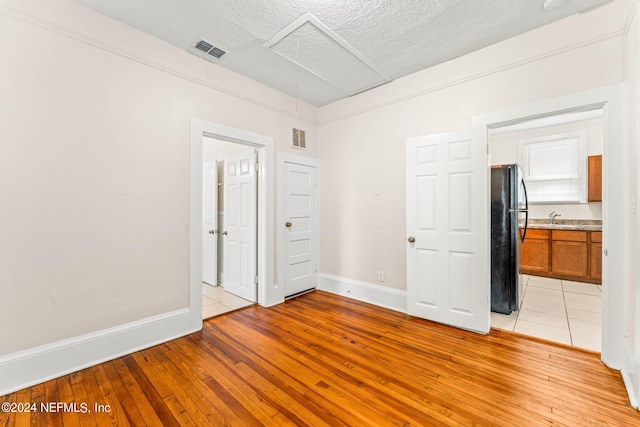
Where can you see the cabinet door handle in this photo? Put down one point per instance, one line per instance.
(411, 239)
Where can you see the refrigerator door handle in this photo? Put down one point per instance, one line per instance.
(526, 211)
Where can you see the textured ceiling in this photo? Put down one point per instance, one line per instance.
(335, 48)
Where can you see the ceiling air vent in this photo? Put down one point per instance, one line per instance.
(209, 49)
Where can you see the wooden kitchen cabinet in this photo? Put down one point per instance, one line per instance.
(595, 178)
(534, 257)
(595, 255)
(569, 253)
(563, 254)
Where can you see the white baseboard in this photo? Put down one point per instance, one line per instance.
(631, 375)
(39, 364)
(382, 296)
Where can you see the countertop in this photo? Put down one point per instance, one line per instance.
(566, 224)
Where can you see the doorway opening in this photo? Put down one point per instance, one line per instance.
(262, 146)
(220, 293)
(557, 254)
(610, 100)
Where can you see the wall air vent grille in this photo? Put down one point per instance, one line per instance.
(209, 49)
(299, 139)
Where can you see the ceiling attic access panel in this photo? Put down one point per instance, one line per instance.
(313, 46)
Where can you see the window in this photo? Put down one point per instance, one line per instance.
(554, 168)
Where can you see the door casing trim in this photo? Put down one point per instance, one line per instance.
(268, 293)
(615, 278)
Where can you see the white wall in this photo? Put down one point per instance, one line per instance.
(363, 137)
(94, 135)
(504, 145)
(504, 150)
(215, 149)
(631, 370)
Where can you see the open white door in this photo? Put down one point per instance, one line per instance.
(209, 222)
(300, 228)
(448, 277)
(240, 220)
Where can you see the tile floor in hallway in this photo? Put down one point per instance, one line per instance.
(216, 301)
(557, 310)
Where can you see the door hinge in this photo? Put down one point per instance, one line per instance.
(257, 167)
(256, 280)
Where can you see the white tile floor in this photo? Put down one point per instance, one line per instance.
(216, 301)
(557, 310)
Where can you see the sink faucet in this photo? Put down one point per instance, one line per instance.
(553, 216)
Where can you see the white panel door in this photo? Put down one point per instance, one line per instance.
(210, 222)
(300, 228)
(448, 277)
(240, 219)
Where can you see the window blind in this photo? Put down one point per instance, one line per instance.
(555, 168)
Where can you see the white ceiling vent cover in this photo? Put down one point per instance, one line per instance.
(209, 49)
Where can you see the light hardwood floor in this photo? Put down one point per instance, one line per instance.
(325, 360)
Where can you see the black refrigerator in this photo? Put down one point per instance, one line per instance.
(509, 217)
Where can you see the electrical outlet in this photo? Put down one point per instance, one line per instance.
(380, 276)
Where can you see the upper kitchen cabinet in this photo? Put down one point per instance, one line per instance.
(595, 178)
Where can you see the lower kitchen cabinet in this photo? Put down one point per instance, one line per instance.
(569, 253)
(535, 251)
(563, 254)
(595, 256)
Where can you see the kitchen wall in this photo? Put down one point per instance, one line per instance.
(363, 138)
(94, 134)
(504, 150)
